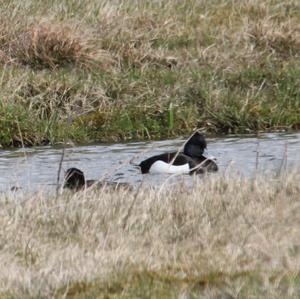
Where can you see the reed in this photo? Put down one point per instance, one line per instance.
(222, 237)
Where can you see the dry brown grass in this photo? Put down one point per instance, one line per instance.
(279, 38)
(52, 45)
(224, 237)
(147, 34)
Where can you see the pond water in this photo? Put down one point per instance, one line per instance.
(36, 167)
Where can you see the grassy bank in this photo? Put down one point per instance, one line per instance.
(224, 238)
(120, 70)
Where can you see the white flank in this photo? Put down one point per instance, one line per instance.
(163, 167)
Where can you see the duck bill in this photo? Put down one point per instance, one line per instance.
(207, 156)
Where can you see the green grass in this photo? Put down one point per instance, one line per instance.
(157, 285)
(90, 71)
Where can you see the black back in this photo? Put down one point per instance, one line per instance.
(74, 179)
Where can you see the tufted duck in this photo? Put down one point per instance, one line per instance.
(189, 161)
(74, 180)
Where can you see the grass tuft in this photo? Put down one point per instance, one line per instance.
(281, 39)
(46, 45)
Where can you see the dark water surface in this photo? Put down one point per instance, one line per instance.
(36, 167)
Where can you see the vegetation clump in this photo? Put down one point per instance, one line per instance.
(155, 69)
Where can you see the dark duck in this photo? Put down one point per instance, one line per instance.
(74, 180)
(191, 160)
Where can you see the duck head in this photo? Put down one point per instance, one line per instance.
(195, 146)
(74, 179)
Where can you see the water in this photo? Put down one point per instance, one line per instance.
(36, 167)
